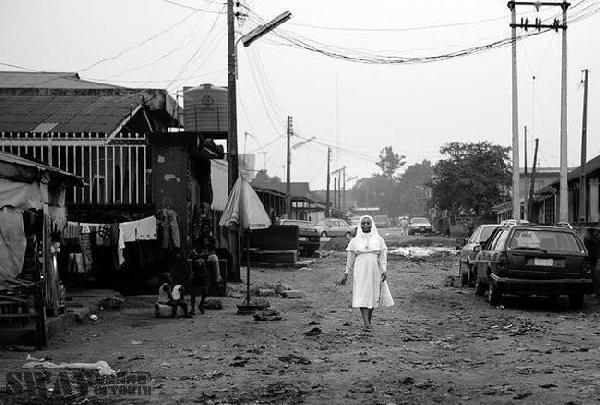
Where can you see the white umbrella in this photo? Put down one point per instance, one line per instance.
(244, 210)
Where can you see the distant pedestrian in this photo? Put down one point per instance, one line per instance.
(403, 226)
(367, 258)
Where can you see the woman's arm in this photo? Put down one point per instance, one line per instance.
(350, 261)
(351, 257)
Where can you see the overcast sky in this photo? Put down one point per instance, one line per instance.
(414, 108)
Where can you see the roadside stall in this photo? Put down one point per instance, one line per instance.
(32, 215)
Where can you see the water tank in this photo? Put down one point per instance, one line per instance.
(205, 108)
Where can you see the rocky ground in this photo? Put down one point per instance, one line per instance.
(439, 344)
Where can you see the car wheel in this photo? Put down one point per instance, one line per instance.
(493, 295)
(479, 286)
(576, 301)
(464, 274)
(323, 234)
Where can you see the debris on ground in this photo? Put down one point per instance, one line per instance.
(101, 366)
(110, 303)
(291, 294)
(294, 359)
(213, 304)
(269, 314)
(313, 332)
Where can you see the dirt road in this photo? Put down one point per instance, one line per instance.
(439, 344)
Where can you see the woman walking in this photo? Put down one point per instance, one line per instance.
(367, 257)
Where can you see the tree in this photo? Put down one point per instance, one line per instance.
(475, 176)
(390, 162)
(413, 190)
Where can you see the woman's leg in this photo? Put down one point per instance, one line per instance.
(364, 312)
(370, 314)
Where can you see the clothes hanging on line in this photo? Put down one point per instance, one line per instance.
(143, 229)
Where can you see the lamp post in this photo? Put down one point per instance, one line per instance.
(232, 139)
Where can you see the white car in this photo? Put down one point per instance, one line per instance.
(334, 227)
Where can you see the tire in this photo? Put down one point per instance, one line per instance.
(479, 286)
(464, 275)
(323, 234)
(576, 301)
(493, 295)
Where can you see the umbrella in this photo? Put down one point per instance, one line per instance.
(245, 211)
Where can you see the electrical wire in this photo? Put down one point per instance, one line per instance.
(194, 8)
(131, 48)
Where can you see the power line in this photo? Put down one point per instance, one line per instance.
(131, 48)
(194, 8)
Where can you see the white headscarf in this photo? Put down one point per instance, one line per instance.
(366, 242)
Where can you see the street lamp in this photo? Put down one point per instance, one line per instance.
(232, 141)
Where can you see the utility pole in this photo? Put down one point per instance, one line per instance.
(328, 180)
(582, 177)
(264, 160)
(516, 203)
(288, 191)
(344, 189)
(564, 196)
(555, 25)
(525, 197)
(232, 141)
(532, 183)
(334, 192)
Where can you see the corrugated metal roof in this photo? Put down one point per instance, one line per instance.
(7, 159)
(49, 80)
(71, 113)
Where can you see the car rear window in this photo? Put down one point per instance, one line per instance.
(545, 239)
(420, 221)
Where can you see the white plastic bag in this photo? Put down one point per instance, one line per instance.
(385, 296)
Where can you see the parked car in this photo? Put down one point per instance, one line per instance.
(382, 221)
(533, 259)
(333, 227)
(308, 237)
(419, 225)
(466, 257)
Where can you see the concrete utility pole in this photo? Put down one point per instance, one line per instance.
(288, 191)
(328, 180)
(564, 192)
(344, 189)
(515, 117)
(537, 24)
(582, 177)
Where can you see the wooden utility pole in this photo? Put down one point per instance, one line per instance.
(232, 141)
(516, 203)
(328, 208)
(532, 182)
(344, 189)
(334, 192)
(582, 176)
(288, 191)
(526, 204)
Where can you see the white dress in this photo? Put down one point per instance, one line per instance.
(366, 281)
(367, 262)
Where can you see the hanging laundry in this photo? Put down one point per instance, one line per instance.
(104, 236)
(143, 229)
(71, 231)
(169, 229)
